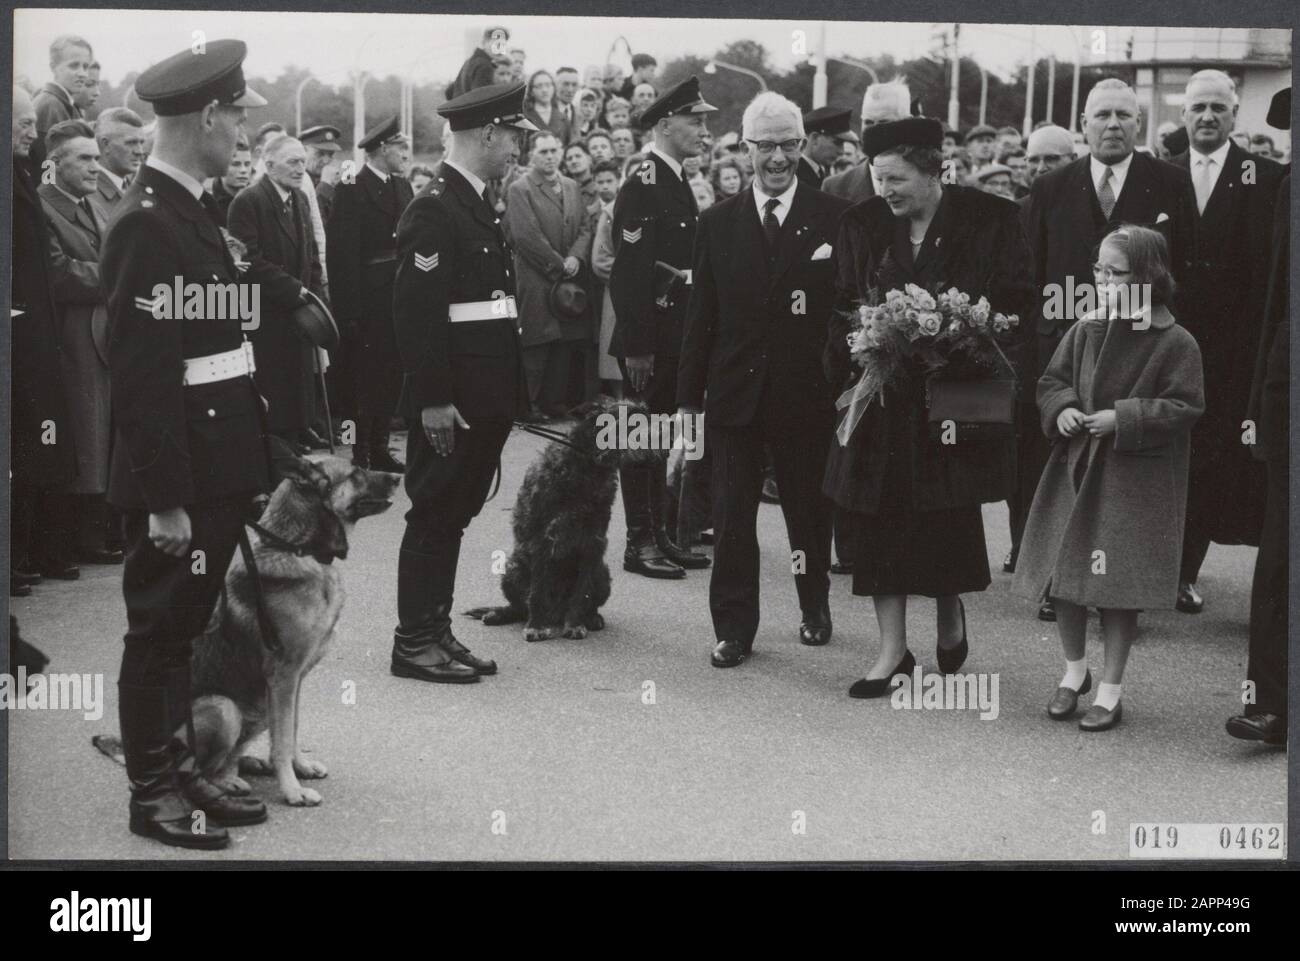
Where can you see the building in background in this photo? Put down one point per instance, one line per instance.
(1158, 62)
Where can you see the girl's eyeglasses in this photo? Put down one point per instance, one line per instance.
(1108, 273)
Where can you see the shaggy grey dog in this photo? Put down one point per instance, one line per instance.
(556, 577)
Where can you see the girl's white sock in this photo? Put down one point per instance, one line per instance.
(1075, 672)
(1107, 696)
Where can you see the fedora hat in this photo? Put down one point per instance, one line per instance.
(315, 322)
(567, 298)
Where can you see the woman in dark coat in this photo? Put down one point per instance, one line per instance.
(1106, 526)
(914, 502)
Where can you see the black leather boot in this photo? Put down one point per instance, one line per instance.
(158, 809)
(425, 582)
(361, 443)
(685, 558)
(223, 808)
(642, 554)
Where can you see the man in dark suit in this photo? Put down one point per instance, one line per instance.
(39, 401)
(654, 230)
(70, 60)
(755, 331)
(881, 103)
(824, 130)
(477, 71)
(1236, 193)
(463, 380)
(1070, 209)
(1265, 718)
(271, 219)
(361, 254)
(190, 452)
(77, 521)
(119, 132)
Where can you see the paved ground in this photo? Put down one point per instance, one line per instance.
(561, 751)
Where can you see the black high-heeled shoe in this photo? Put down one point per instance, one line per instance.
(881, 686)
(952, 658)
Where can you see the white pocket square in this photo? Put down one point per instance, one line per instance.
(1162, 218)
(822, 253)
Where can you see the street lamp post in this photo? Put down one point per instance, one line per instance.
(954, 103)
(1051, 86)
(712, 67)
(984, 93)
(297, 104)
(359, 81)
(819, 68)
(1029, 86)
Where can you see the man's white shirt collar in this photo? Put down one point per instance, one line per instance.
(1118, 173)
(674, 165)
(180, 176)
(786, 198)
(474, 181)
(377, 172)
(1219, 156)
(284, 194)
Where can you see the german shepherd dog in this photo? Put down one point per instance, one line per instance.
(241, 686)
(556, 577)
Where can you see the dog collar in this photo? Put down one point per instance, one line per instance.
(281, 544)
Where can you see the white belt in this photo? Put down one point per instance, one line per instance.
(482, 310)
(223, 366)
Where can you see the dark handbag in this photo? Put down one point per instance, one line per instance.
(980, 409)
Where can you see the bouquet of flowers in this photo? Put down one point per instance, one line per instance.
(945, 333)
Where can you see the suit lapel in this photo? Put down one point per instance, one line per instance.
(159, 186)
(747, 235)
(1218, 209)
(797, 232)
(1136, 203)
(477, 205)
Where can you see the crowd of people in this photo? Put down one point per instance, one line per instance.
(643, 255)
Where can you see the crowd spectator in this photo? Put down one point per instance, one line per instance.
(479, 69)
(119, 132)
(600, 145)
(624, 142)
(419, 175)
(540, 106)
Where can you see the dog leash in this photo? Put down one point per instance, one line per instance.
(545, 433)
(270, 639)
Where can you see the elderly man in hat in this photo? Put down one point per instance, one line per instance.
(361, 254)
(981, 146)
(322, 144)
(654, 230)
(463, 381)
(752, 361)
(825, 129)
(190, 452)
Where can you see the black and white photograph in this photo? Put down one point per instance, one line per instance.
(568, 438)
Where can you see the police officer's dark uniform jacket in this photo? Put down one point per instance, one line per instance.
(361, 261)
(457, 333)
(190, 434)
(653, 229)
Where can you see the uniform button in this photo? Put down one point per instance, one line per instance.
(485, 250)
(683, 223)
(214, 277)
(394, 233)
(211, 412)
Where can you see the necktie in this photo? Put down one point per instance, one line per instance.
(1204, 186)
(771, 226)
(1106, 194)
(90, 215)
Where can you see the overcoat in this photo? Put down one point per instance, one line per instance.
(283, 259)
(853, 184)
(361, 260)
(976, 244)
(1223, 308)
(38, 396)
(546, 226)
(82, 312)
(1106, 525)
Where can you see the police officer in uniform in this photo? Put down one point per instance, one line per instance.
(361, 257)
(654, 231)
(826, 129)
(463, 380)
(190, 452)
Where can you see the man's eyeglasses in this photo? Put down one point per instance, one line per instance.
(1108, 273)
(768, 147)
